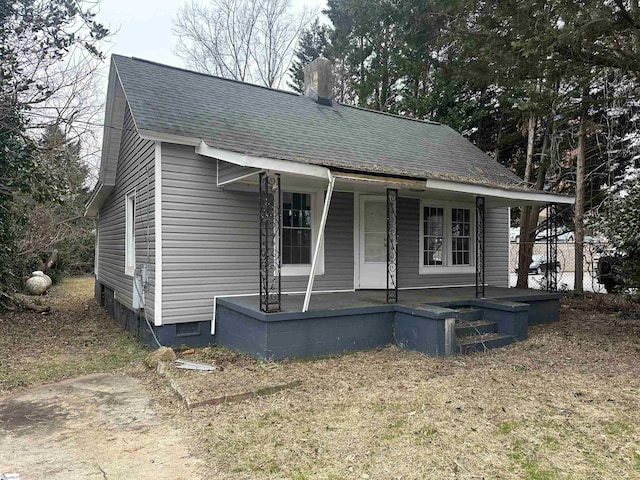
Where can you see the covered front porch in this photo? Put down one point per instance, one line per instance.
(417, 262)
(434, 321)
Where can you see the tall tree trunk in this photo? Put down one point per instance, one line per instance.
(531, 136)
(526, 235)
(579, 207)
(534, 212)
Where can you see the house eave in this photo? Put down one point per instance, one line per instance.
(100, 193)
(169, 138)
(498, 196)
(508, 197)
(263, 163)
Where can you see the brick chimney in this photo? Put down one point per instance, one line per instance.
(318, 80)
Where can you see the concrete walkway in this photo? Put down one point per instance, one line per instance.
(99, 426)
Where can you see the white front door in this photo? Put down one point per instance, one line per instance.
(373, 242)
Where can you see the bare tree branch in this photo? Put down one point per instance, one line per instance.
(247, 40)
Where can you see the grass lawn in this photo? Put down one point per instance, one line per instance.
(77, 337)
(563, 404)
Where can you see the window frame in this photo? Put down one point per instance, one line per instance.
(447, 265)
(130, 204)
(317, 205)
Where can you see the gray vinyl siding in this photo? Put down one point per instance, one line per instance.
(228, 171)
(497, 253)
(210, 239)
(135, 170)
(496, 232)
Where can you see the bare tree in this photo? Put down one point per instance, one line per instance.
(248, 40)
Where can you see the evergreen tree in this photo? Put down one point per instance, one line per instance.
(35, 37)
(366, 45)
(313, 43)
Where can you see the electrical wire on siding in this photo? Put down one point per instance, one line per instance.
(148, 245)
(144, 313)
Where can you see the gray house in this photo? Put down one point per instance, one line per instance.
(286, 225)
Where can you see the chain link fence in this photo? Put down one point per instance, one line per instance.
(566, 266)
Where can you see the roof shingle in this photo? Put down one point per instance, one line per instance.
(259, 121)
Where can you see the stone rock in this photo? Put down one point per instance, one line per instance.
(162, 354)
(40, 273)
(38, 283)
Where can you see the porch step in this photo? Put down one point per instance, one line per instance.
(469, 314)
(482, 343)
(476, 327)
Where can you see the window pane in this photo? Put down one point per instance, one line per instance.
(287, 201)
(433, 232)
(433, 258)
(306, 219)
(286, 255)
(374, 247)
(296, 228)
(305, 255)
(375, 217)
(305, 238)
(460, 236)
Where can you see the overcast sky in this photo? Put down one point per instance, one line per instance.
(143, 27)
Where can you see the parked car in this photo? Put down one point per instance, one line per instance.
(566, 237)
(514, 234)
(539, 265)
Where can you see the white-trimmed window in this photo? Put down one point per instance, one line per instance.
(130, 234)
(446, 234)
(301, 213)
(460, 236)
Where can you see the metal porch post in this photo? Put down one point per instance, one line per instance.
(270, 243)
(552, 247)
(392, 245)
(480, 247)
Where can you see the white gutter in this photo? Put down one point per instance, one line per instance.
(316, 253)
(497, 192)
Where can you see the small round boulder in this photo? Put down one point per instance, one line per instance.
(38, 283)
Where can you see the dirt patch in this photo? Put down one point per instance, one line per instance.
(236, 377)
(24, 417)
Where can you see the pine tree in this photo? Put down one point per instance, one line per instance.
(313, 43)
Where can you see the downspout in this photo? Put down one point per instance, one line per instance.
(316, 253)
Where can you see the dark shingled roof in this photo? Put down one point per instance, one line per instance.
(255, 120)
